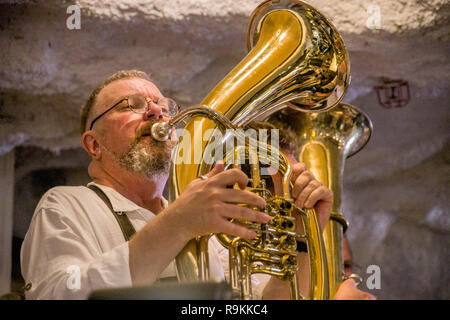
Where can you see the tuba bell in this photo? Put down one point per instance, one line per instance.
(296, 58)
(324, 141)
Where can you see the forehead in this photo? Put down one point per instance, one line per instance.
(122, 88)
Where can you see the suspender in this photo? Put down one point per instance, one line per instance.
(124, 223)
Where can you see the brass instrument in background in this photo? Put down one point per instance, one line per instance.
(325, 140)
(296, 58)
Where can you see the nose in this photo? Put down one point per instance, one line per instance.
(154, 111)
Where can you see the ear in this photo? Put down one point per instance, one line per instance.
(90, 143)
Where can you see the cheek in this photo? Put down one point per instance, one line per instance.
(116, 144)
(120, 136)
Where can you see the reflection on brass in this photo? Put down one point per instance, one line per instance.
(325, 140)
(296, 58)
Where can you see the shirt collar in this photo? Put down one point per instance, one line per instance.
(119, 202)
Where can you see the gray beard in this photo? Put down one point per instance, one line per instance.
(147, 159)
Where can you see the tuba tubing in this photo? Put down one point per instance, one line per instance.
(296, 57)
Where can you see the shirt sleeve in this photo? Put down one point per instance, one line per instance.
(62, 260)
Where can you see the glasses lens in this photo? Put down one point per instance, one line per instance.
(137, 103)
(169, 107)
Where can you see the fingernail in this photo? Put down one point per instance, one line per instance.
(264, 217)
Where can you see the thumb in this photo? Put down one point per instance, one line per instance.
(218, 168)
(350, 282)
(277, 183)
(323, 213)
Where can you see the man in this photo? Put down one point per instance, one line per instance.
(75, 245)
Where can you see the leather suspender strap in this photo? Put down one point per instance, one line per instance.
(126, 227)
(124, 223)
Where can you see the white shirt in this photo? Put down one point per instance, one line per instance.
(74, 245)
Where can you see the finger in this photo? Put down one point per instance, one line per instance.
(350, 283)
(320, 193)
(298, 169)
(322, 200)
(238, 212)
(236, 230)
(277, 180)
(370, 296)
(242, 196)
(301, 182)
(230, 177)
(348, 291)
(323, 210)
(218, 168)
(306, 192)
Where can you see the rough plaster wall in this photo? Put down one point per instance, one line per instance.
(396, 188)
(396, 199)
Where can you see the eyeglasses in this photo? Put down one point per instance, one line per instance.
(140, 104)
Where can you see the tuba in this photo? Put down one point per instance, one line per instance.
(296, 58)
(325, 140)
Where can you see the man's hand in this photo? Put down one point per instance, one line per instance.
(310, 193)
(348, 291)
(206, 205)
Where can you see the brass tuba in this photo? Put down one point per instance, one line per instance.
(325, 140)
(296, 58)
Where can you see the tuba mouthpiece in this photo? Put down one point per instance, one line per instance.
(161, 131)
